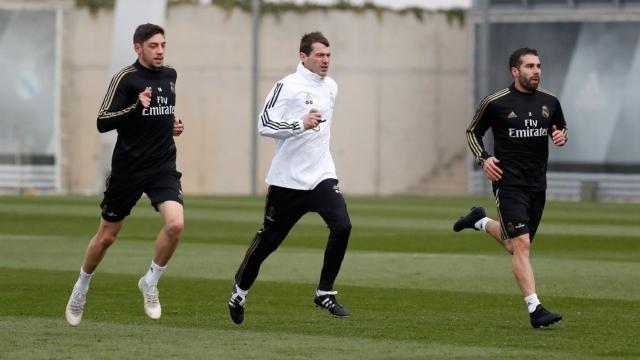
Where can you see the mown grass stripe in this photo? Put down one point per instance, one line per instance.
(130, 341)
(456, 272)
(422, 322)
(419, 222)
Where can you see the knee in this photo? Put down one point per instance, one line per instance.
(343, 229)
(521, 244)
(175, 228)
(270, 239)
(106, 238)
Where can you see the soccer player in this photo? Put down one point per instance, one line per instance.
(140, 106)
(522, 117)
(302, 178)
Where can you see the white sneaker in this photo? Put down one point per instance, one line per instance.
(75, 307)
(150, 294)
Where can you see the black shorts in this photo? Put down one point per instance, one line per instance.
(122, 192)
(520, 211)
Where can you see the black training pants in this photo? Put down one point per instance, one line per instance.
(284, 207)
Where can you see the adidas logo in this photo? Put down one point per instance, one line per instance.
(512, 115)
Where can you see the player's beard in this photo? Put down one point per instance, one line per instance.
(148, 60)
(527, 85)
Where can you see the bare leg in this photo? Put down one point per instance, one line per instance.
(518, 247)
(167, 240)
(493, 228)
(522, 269)
(106, 235)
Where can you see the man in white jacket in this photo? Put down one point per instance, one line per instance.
(302, 178)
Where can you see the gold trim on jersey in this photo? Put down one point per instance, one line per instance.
(106, 115)
(475, 146)
(543, 90)
(108, 98)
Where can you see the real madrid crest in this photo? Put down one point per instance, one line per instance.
(545, 111)
(173, 87)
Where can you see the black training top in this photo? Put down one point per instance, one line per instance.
(521, 124)
(145, 135)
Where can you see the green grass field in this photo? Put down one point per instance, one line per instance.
(416, 289)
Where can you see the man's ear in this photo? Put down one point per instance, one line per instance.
(138, 48)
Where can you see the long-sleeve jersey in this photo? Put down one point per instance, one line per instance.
(521, 124)
(145, 135)
(302, 159)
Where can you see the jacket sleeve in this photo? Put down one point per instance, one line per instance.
(272, 121)
(476, 130)
(117, 106)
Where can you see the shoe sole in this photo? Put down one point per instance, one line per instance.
(334, 315)
(547, 325)
(151, 316)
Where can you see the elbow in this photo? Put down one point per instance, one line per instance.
(102, 127)
(264, 131)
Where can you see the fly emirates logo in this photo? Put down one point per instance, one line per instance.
(162, 109)
(531, 130)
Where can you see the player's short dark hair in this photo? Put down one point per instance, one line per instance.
(515, 59)
(145, 31)
(311, 38)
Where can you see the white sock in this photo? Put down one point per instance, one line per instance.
(82, 284)
(482, 223)
(322, 292)
(243, 293)
(153, 274)
(532, 302)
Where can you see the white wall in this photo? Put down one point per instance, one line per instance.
(399, 118)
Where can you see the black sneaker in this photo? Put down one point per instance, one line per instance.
(330, 303)
(543, 318)
(468, 221)
(236, 306)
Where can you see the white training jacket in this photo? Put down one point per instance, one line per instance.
(302, 159)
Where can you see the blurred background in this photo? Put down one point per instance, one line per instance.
(411, 74)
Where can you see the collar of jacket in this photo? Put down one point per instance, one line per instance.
(311, 76)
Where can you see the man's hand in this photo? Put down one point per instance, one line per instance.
(312, 119)
(145, 97)
(557, 136)
(491, 169)
(178, 127)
